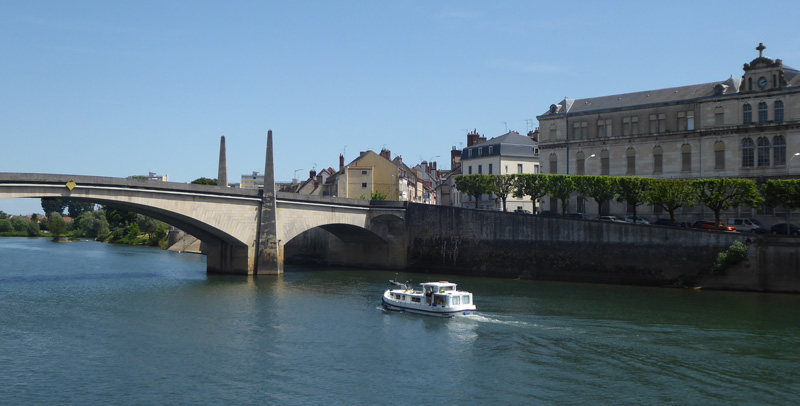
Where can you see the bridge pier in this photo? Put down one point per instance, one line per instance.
(222, 257)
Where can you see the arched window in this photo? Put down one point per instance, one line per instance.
(553, 163)
(748, 153)
(686, 158)
(719, 155)
(658, 159)
(762, 112)
(779, 111)
(747, 113)
(604, 162)
(763, 151)
(631, 155)
(779, 151)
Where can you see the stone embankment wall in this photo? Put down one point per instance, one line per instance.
(476, 242)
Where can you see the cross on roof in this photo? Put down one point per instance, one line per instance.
(760, 48)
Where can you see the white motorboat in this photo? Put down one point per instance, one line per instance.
(440, 299)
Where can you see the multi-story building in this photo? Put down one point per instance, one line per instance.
(160, 178)
(252, 181)
(747, 127)
(510, 153)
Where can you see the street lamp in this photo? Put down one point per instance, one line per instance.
(586, 163)
(790, 161)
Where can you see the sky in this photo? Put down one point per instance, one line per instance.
(110, 88)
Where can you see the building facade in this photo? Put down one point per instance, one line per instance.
(745, 127)
(508, 154)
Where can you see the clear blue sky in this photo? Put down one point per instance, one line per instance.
(122, 88)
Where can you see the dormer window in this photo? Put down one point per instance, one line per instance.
(491, 150)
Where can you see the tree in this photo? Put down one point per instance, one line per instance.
(33, 229)
(531, 184)
(670, 194)
(137, 177)
(56, 225)
(204, 181)
(91, 224)
(118, 217)
(600, 188)
(561, 187)
(473, 185)
(54, 204)
(147, 225)
(502, 186)
(76, 207)
(785, 193)
(377, 195)
(19, 223)
(5, 226)
(724, 193)
(633, 190)
(3, 215)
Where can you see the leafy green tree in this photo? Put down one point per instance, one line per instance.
(56, 225)
(5, 226)
(3, 215)
(670, 195)
(147, 225)
(137, 177)
(473, 185)
(724, 193)
(633, 190)
(33, 229)
(784, 193)
(76, 207)
(91, 224)
(377, 195)
(54, 204)
(531, 184)
(205, 181)
(561, 187)
(19, 223)
(600, 188)
(118, 217)
(502, 186)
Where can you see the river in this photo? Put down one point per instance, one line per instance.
(87, 323)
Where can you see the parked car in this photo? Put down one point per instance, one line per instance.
(522, 211)
(639, 220)
(710, 225)
(548, 213)
(612, 218)
(780, 228)
(747, 225)
(666, 222)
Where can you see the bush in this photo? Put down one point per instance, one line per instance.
(735, 254)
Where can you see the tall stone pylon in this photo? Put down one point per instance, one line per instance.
(222, 174)
(269, 261)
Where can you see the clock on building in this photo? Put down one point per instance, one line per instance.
(762, 82)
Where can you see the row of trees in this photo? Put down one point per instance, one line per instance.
(717, 194)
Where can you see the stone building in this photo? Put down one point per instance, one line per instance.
(743, 127)
(508, 154)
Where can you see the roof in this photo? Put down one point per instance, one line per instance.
(668, 95)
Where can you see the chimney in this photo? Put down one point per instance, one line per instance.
(386, 154)
(341, 162)
(534, 134)
(455, 157)
(312, 174)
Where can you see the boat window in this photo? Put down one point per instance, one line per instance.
(465, 299)
(455, 300)
(415, 299)
(438, 300)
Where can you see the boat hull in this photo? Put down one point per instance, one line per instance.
(426, 310)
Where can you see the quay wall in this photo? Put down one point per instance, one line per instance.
(460, 241)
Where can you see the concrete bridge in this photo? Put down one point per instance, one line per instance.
(228, 220)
